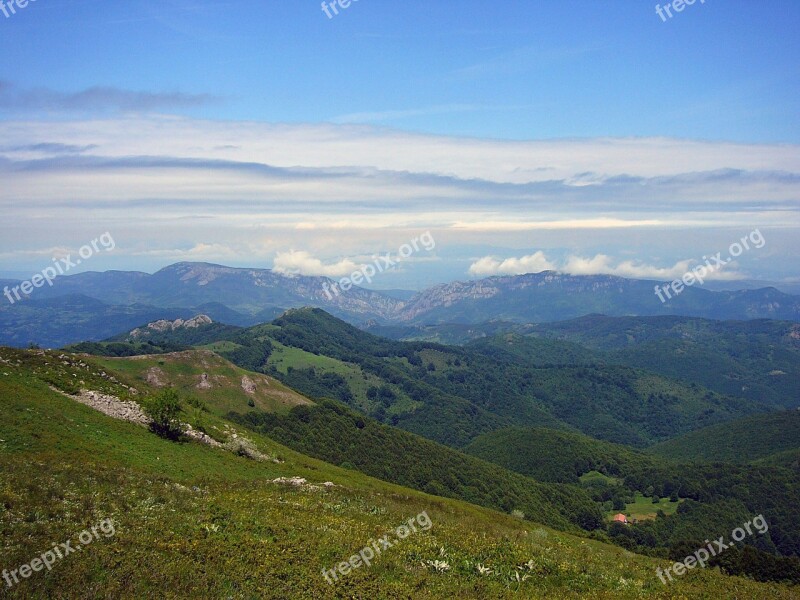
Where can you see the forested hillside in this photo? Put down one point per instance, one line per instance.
(741, 441)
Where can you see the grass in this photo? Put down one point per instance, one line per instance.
(284, 357)
(595, 477)
(194, 521)
(223, 346)
(643, 508)
(183, 371)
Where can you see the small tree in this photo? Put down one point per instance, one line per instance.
(163, 409)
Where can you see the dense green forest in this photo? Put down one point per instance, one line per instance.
(740, 441)
(758, 360)
(609, 402)
(771, 491)
(713, 498)
(530, 451)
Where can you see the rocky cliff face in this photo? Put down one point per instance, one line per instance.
(506, 288)
(162, 325)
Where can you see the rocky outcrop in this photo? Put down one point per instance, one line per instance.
(248, 385)
(300, 482)
(153, 377)
(204, 384)
(162, 325)
(113, 406)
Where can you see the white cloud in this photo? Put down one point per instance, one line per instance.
(600, 264)
(303, 263)
(533, 263)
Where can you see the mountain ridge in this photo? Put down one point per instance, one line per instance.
(247, 296)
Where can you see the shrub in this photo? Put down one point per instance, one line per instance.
(164, 409)
(244, 447)
(197, 403)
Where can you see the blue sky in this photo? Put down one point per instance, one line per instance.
(265, 133)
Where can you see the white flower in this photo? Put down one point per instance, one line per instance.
(529, 565)
(440, 565)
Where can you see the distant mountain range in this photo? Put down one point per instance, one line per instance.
(94, 306)
(551, 296)
(247, 291)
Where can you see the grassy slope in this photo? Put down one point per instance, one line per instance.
(66, 467)
(331, 432)
(182, 370)
(739, 441)
(286, 357)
